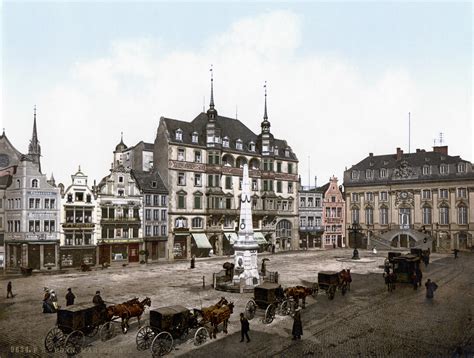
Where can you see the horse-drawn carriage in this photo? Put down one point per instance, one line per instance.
(76, 322)
(330, 281)
(171, 323)
(404, 266)
(270, 297)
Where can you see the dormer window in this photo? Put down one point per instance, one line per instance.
(153, 184)
(287, 152)
(275, 151)
(383, 173)
(225, 142)
(179, 134)
(252, 146)
(34, 183)
(461, 167)
(238, 144)
(195, 137)
(426, 170)
(355, 174)
(369, 174)
(217, 139)
(444, 169)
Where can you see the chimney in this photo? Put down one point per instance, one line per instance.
(315, 181)
(443, 149)
(418, 150)
(399, 153)
(371, 154)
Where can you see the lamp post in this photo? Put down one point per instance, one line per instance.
(354, 228)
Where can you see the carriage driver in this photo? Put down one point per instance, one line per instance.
(97, 299)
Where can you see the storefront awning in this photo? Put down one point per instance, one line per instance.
(231, 236)
(202, 241)
(258, 236)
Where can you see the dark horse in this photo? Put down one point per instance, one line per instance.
(297, 293)
(127, 310)
(220, 315)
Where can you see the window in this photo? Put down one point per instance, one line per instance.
(444, 169)
(228, 222)
(197, 157)
(383, 216)
(462, 215)
(148, 230)
(426, 194)
(238, 144)
(287, 153)
(181, 157)
(147, 214)
(369, 196)
(181, 201)
(279, 190)
(120, 179)
(355, 174)
(52, 203)
(196, 223)
(254, 184)
(290, 187)
(197, 179)
(240, 183)
(156, 214)
(34, 183)
(278, 167)
(275, 151)
(31, 202)
(369, 174)
(443, 193)
(195, 137)
(318, 202)
(461, 167)
(69, 198)
(310, 202)
(120, 192)
(426, 170)
(290, 168)
(369, 216)
(163, 200)
(383, 173)
(225, 142)
(383, 196)
(181, 179)
(163, 230)
(426, 212)
(355, 215)
(156, 200)
(252, 147)
(156, 230)
(37, 203)
(355, 197)
(268, 185)
(228, 182)
(147, 199)
(197, 202)
(462, 193)
(268, 165)
(179, 134)
(163, 215)
(444, 215)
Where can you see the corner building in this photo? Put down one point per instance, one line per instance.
(201, 164)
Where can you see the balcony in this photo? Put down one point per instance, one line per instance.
(121, 219)
(312, 228)
(331, 220)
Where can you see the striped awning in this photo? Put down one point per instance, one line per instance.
(258, 236)
(202, 241)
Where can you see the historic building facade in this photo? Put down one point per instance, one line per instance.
(333, 215)
(119, 213)
(422, 199)
(31, 212)
(139, 157)
(201, 164)
(79, 223)
(310, 215)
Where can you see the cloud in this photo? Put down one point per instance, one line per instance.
(323, 105)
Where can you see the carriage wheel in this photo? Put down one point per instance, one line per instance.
(144, 338)
(107, 331)
(315, 290)
(284, 308)
(331, 292)
(200, 336)
(54, 340)
(250, 309)
(74, 342)
(269, 314)
(91, 331)
(162, 344)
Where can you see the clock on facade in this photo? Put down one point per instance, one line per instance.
(4, 160)
(403, 194)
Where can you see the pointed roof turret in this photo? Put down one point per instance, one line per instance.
(121, 146)
(265, 124)
(212, 112)
(34, 149)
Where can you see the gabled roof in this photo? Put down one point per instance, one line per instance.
(150, 182)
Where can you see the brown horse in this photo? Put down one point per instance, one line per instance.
(297, 293)
(127, 310)
(221, 315)
(207, 311)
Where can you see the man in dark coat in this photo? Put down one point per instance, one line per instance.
(70, 297)
(97, 299)
(455, 251)
(9, 289)
(297, 330)
(430, 288)
(244, 328)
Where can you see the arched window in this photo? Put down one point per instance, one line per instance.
(225, 142)
(240, 162)
(427, 215)
(355, 215)
(383, 215)
(369, 216)
(238, 144)
(444, 215)
(283, 229)
(34, 183)
(197, 222)
(179, 134)
(462, 215)
(254, 164)
(181, 222)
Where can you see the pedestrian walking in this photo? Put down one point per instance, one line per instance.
(70, 297)
(414, 280)
(455, 251)
(9, 290)
(244, 328)
(273, 248)
(419, 276)
(193, 260)
(297, 330)
(47, 307)
(430, 288)
(97, 299)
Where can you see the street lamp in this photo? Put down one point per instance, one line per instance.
(354, 230)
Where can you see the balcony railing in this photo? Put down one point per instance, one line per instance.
(121, 219)
(311, 228)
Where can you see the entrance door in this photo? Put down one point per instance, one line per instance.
(133, 253)
(34, 256)
(104, 254)
(154, 251)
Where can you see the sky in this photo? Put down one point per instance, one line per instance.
(341, 76)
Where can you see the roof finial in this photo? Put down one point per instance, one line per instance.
(265, 116)
(79, 168)
(121, 136)
(211, 104)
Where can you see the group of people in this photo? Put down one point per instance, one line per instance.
(50, 300)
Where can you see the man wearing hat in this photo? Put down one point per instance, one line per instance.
(297, 330)
(97, 299)
(69, 297)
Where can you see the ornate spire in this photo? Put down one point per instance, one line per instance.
(265, 124)
(265, 115)
(34, 149)
(211, 112)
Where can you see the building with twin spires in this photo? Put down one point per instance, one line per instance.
(201, 164)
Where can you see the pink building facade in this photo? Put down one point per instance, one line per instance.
(333, 216)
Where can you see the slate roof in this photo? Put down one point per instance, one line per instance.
(149, 147)
(145, 182)
(5, 181)
(229, 127)
(414, 161)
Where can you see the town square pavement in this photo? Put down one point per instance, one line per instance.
(367, 322)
